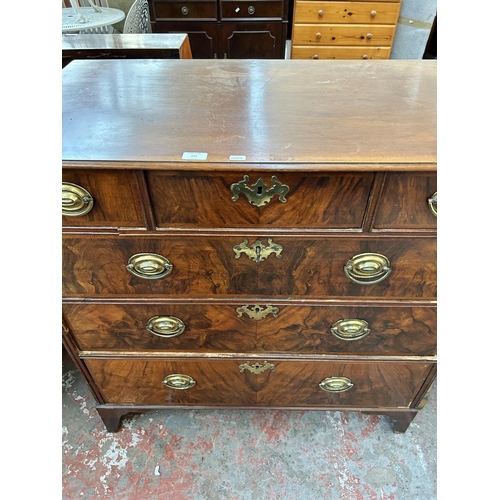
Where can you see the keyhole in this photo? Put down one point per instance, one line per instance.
(259, 189)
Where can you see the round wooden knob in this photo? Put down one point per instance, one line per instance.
(365, 57)
(369, 36)
(373, 13)
(318, 36)
(315, 56)
(321, 13)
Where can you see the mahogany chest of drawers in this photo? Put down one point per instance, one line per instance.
(249, 234)
(339, 29)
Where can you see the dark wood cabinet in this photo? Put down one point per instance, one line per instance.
(251, 234)
(244, 29)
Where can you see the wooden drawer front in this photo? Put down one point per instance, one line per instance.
(140, 381)
(307, 52)
(207, 328)
(207, 266)
(308, 330)
(404, 202)
(346, 12)
(341, 34)
(291, 384)
(336, 201)
(115, 195)
(280, 329)
(252, 9)
(185, 10)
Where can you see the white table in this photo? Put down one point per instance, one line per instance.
(108, 16)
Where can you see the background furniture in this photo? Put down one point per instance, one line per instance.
(225, 249)
(223, 29)
(97, 22)
(125, 46)
(336, 29)
(137, 19)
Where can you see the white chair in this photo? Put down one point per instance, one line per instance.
(137, 18)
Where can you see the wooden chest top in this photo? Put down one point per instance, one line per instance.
(321, 115)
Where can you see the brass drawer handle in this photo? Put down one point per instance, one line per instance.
(336, 384)
(257, 368)
(257, 312)
(165, 326)
(350, 329)
(179, 381)
(258, 251)
(433, 204)
(150, 266)
(76, 200)
(368, 268)
(259, 193)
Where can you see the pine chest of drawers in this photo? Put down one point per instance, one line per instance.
(249, 234)
(339, 29)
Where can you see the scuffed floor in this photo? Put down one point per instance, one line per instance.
(243, 455)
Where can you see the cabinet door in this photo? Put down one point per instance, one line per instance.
(252, 40)
(203, 37)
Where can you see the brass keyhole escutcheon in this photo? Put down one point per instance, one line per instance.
(76, 200)
(258, 251)
(259, 193)
(257, 312)
(350, 329)
(336, 384)
(368, 268)
(257, 368)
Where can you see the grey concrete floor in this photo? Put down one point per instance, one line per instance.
(243, 455)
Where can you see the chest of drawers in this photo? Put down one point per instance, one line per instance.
(225, 29)
(338, 29)
(249, 234)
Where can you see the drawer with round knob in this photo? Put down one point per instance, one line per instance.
(258, 383)
(339, 53)
(273, 200)
(251, 9)
(254, 327)
(225, 265)
(105, 198)
(346, 12)
(343, 34)
(184, 10)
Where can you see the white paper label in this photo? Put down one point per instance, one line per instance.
(237, 158)
(194, 156)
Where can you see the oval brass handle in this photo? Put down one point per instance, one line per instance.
(321, 13)
(185, 10)
(350, 329)
(433, 204)
(179, 381)
(165, 326)
(251, 10)
(150, 266)
(336, 384)
(318, 36)
(76, 200)
(368, 268)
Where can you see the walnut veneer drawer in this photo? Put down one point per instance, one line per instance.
(408, 201)
(388, 267)
(282, 384)
(346, 12)
(255, 328)
(343, 34)
(288, 200)
(251, 9)
(104, 198)
(323, 52)
(185, 10)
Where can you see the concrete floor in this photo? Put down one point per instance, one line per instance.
(243, 455)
